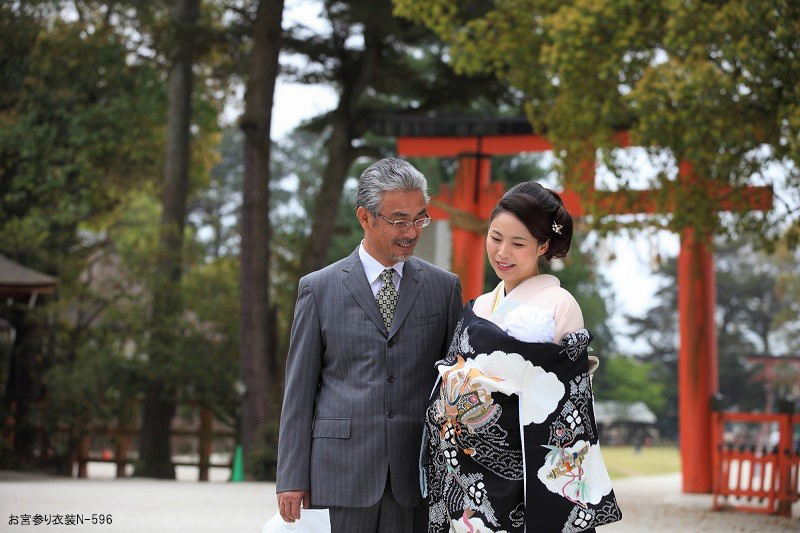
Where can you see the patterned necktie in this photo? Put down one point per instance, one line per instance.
(387, 298)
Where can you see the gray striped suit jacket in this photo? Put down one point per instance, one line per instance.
(356, 394)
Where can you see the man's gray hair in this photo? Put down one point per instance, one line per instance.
(390, 174)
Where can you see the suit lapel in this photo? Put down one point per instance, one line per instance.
(356, 282)
(411, 284)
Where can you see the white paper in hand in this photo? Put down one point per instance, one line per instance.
(311, 521)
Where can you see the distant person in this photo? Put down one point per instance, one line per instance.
(638, 441)
(365, 335)
(510, 438)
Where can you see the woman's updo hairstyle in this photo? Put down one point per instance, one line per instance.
(541, 211)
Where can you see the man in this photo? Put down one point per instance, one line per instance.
(367, 331)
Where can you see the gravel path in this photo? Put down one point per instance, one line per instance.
(138, 505)
(649, 504)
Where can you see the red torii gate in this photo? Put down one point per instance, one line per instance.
(776, 370)
(469, 202)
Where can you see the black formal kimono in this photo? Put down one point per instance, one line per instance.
(510, 440)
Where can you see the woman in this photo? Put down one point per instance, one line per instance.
(510, 442)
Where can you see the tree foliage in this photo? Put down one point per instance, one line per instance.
(628, 380)
(80, 128)
(712, 83)
(82, 108)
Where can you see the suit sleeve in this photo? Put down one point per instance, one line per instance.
(455, 306)
(303, 366)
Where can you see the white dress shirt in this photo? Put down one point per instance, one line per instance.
(373, 269)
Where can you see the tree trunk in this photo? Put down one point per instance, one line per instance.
(326, 205)
(257, 355)
(340, 149)
(159, 407)
(21, 384)
(341, 154)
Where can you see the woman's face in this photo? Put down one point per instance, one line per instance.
(513, 252)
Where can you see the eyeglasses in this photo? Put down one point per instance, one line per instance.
(405, 224)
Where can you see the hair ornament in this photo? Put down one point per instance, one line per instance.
(557, 228)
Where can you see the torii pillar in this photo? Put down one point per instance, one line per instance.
(467, 204)
(697, 356)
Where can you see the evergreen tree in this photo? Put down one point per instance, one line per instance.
(378, 64)
(80, 129)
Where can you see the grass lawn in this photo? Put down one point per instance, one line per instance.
(623, 461)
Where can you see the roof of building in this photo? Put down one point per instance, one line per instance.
(16, 279)
(611, 412)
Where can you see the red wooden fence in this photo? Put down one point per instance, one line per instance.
(759, 477)
(122, 437)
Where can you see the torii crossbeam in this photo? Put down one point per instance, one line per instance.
(469, 202)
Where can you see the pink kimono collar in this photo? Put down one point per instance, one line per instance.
(521, 293)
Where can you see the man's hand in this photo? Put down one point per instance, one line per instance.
(289, 504)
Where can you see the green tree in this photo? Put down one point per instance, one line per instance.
(80, 128)
(787, 289)
(155, 457)
(83, 106)
(712, 83)
(627, 380)
(296, 163)
(377, 63)
(216, 209)
(69, 95)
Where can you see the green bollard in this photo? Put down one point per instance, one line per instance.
(237, 472)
